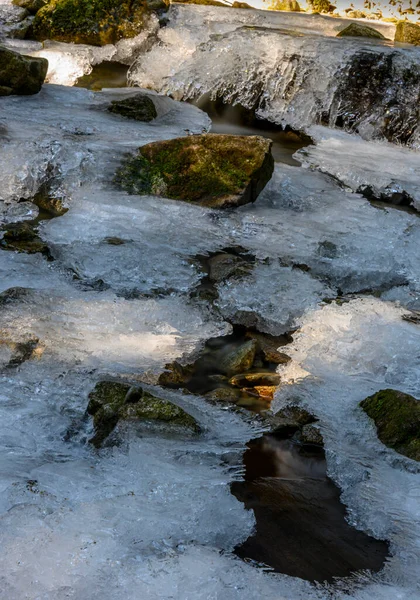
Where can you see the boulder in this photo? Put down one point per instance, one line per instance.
(287, 5)
(111, 402)
(139, 107)
(407, 32)
(94, 22)
(397, 419)
(358, 30)
(213, 170)
(21, 74)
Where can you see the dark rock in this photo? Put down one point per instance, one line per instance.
(21, 74)
(397, 419)
(238, 360)
(268, 345)
(214, 170)
(241, 5)
(139, 108)
(359, 30)
(224, 266)
(32, 6)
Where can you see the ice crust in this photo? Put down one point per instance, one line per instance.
(383, 167)
(147, 519)
(266, 63)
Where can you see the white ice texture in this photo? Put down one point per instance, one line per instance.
(292, 75)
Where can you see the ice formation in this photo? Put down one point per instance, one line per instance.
(148, 518)
(384, 170)
(288, 77)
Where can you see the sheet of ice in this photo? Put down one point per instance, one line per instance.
(272, 298)
(383, 167)
(289, 78)
(341, 355)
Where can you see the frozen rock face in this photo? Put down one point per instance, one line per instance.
(289, 78)
(380, 171)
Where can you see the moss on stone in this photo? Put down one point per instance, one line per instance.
(213, 170)
(285, 5)
(95, 22)
(21, 74)
(358, 30)
(397, 419)
(111, 402)
(408, 33)
(139, 108)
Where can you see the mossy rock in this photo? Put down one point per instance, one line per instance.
(320, 6)
(21, 74)
(358, 30)
(176, 375)
(213, 170)
(286, 5)
(408, 33)
(203, 2)
(94, 22)
(241, 5)
(139, 108)
(397, 419)
(111, 402)
(32, 6)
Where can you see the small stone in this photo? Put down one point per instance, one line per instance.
(260, 378)
(224, 266)
(359, 30)
(139, 108)
(224, 395)
(241, 5)
(176, 375)
(310, 434)
(238, 360)
(408, 33)
(269, 344)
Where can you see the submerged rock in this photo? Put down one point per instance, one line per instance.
(223, 265)
(21, 74)
(111, 402)
(408, 32)
(83, 22)
(358, 30)
(397, 419)
(139, 108)
(258, 379)
(213, 170)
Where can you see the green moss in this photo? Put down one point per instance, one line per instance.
(96, 22)
(358, 30)
(21, 74)
(408, 33)
(139, 108)
(213, 170)
(111, 402)
(397, 419)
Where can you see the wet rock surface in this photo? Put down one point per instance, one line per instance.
(213, 170)
(139, 108)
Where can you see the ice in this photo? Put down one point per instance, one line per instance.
(272, 298)
(153, 517)
(263, 62)
(69, 62)
(384, 168)
(341, 355)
